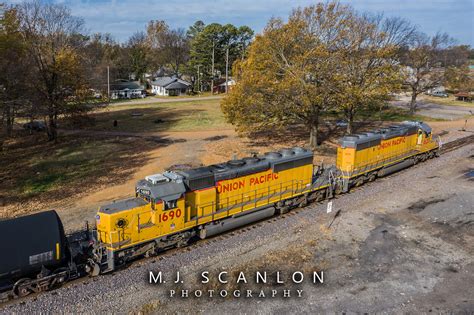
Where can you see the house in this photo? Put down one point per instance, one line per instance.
(438, 89)
(126, 89)
(170, 86)
(220, 86)
(464, 96)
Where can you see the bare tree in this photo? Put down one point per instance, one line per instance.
(138, 54)
(169, 47)
(176, 49)
(14, 76)
(101, 51)
(423, 70)
(52, 37)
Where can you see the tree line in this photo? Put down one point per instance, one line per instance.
(324, 58)
(50, 67)
(330, 58)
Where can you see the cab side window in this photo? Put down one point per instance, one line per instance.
(170, 204)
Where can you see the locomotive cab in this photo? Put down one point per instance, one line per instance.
(157, 209)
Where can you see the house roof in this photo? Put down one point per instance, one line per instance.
(230, 82)
(463, 94)
(120, 85)
(171, 83)
(176, 85)
(163, 81)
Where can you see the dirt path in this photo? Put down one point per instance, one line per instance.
(184, 148)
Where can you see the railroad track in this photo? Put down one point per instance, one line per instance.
(453, 145)
(445, 148)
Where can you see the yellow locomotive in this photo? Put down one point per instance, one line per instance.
(366, 156)
(171, 208)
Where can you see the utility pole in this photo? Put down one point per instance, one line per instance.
(199, 73)
(108, 84)
(212, 68)
(226, 70)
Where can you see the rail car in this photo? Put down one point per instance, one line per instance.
(37, 255)
(170, 209)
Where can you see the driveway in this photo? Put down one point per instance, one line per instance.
(433, 110)
(153, 100)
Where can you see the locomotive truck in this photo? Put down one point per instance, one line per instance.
(173, 208)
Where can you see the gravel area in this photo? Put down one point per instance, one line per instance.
(403, 243)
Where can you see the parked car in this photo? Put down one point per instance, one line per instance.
(35, 125)
(439, 94)
(341, 123)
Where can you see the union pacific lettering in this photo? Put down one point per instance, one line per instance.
(223, 187)
(393, 142)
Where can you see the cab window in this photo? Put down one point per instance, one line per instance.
(170, 204)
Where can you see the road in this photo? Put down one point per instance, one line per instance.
(438, 111)
(155, 100)
(402, 244)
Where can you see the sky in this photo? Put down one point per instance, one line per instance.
(122, 18)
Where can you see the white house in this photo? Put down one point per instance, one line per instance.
(126, 89)
(222, 86)
(170, 86)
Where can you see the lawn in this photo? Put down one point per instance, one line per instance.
(175, 116)
(67, 168)
(395, 114)
(388, 113)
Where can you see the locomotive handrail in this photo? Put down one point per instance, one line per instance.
(240, 203)
(389, 157)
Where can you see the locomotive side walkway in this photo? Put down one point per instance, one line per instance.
(405, 242)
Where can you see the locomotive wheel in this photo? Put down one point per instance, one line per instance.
(182, 243)
(360, 181)
(22, 287)
(372, 177)
(60, 277)
(284, 209)
(320, 196)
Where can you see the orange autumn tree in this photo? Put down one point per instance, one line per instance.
(287, 78)
(327, 57)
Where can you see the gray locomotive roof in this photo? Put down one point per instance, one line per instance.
(122, 205)
(204, 177)
(375, 137)
(419, 124)
(248, 165)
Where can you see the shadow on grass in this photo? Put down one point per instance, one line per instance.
(329, 131)
(35, 170)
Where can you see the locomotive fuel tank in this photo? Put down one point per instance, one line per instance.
(28, 243)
